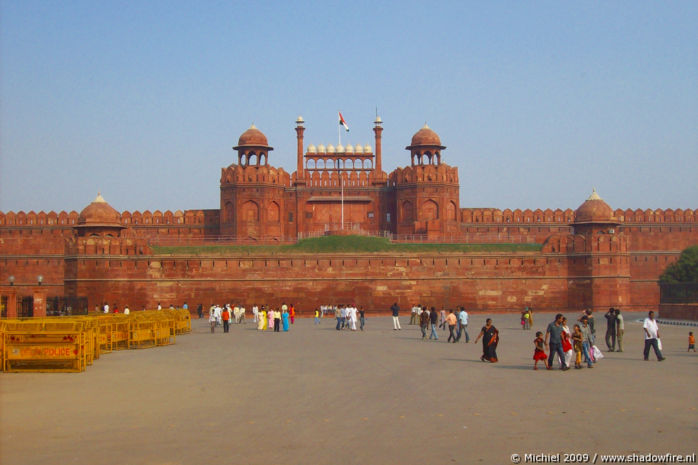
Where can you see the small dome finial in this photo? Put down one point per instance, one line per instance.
(594, 195)
(99, 198)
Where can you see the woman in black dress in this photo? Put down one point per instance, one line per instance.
(490, 339)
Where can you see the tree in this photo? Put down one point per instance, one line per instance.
(685, 270)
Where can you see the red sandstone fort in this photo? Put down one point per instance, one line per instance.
(593, 256)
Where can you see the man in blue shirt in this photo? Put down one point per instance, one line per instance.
(553, 339)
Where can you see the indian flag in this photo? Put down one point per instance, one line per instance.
(342, 122)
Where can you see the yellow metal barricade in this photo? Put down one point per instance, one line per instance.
(72, 343)
(44, 345)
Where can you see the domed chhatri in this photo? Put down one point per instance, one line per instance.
(425, 137)
(594, 210)
(99, 213)
(253, 137)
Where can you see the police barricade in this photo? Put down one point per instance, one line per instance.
(72, 343)
(182, 321)
(120, 332)
(43, 345)
(141, 331)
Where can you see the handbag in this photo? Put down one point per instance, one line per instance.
(598, 355)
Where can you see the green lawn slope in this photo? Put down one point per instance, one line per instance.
(343, 244)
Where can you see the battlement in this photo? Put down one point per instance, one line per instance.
(441, 173)
(254, 174)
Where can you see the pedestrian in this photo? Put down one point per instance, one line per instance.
(539, 350)
(362, 317)
(285, 316)
(292, 313)
(262, 320)
(226, 319)
(490, 339)
(611, 323)
(691, 342)
(396, 316)
(463, 325)
(424, 323)
(442, 319)
(277, 318)
(212, 320)
(338, 316)
(577, 344)
(200, 311)
(652, 339)
(317, 316)
(451, 321)
(352, 316)
(567, 342)
(433, 318)
(620, 329)
(586, 341)
(553, 340)
(413, 314)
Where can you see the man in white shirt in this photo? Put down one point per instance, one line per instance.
(413, 314)
(652, 337)
(106, 307)
(463, 325)
(255, 313)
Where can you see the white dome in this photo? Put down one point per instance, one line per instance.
(358, 149)
(367, 148)
(321, 148)
(340, 148)
(312, 149)
(330, 148)
(349, 149)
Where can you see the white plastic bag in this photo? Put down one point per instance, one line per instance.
(659, 343)
(598, 355)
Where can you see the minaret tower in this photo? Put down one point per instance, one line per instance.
(300, 174)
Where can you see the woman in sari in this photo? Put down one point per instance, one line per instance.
(566, 336)
(490, 339)
(262, 321)
(284, 319)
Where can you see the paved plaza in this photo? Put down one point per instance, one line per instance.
(318, 396)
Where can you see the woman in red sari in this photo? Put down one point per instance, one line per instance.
(490, 339)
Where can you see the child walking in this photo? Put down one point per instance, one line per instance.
(577, 345)
(539, 352)
(691, 342)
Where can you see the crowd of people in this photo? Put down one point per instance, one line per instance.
(572, 346)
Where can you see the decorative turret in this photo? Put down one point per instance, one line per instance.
(99, 218)
(426, 147)
(594, 211)
(600, 270)
(253, 148)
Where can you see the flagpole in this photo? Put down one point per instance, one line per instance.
(341, 180)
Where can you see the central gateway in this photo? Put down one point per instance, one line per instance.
(342, 188)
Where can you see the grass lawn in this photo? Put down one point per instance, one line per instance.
(346, 244)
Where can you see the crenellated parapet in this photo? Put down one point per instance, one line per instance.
(657, 216)
(254, 174)
(424, 174)
(41, 219)
(517, 216)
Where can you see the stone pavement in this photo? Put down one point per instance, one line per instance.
(318, 396)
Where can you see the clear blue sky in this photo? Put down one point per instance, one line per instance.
(537, 102)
